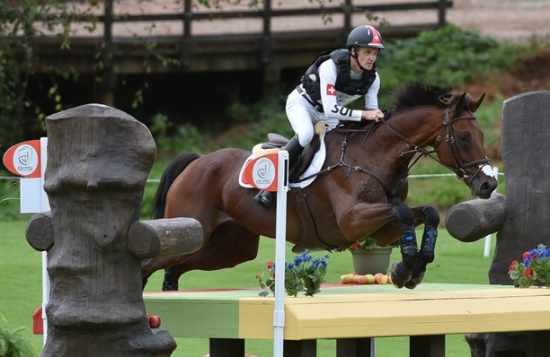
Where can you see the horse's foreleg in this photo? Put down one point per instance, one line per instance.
(427, 248)
(401, 272)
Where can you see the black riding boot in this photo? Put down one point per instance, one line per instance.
(266, 198)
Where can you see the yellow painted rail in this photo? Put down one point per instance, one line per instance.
(354, 314)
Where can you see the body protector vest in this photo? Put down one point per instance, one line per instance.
(344, 83)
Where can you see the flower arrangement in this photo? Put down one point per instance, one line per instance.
(534, 270)
(305, 273)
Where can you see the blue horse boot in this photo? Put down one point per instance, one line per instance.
(401, 272)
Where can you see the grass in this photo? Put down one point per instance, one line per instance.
(21, 287)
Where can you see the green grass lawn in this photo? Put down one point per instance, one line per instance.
(21, 287)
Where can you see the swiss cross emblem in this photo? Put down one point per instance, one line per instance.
(331, 90)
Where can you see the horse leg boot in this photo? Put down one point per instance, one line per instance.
(266, 198)
(401, 272)
(426, 254)
(170, 282)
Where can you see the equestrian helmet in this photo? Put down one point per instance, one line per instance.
(364, 35)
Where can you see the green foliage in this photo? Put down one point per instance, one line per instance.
(447, 56)
(9, 198)
(12, 342)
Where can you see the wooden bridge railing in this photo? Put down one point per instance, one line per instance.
(265, 49)
(346, 8)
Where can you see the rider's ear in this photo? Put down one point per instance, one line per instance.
(476, 103)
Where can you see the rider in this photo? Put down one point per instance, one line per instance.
(333, 81)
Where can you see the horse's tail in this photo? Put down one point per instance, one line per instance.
(174, 169)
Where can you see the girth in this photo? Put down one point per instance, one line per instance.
(309, 240)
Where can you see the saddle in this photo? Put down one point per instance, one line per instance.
(302, 167)
(276, 142)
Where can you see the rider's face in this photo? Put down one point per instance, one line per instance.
(366, 57)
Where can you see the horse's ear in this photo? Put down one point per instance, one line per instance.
(460, 104)
(476, 103)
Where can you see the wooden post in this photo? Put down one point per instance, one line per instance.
(108, 76)
(355, 347)
(524, 147)
(187, 37)
(442, 7)
(266, 37)
(427, 346)
(99, 159)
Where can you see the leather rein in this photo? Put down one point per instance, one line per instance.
(450, 138)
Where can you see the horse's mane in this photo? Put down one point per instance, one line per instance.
(417, 94)
(414, 94)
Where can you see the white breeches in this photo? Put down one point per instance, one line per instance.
(303, 117)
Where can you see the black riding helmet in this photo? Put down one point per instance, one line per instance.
(364, 35)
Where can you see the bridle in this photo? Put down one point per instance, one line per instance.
(450, 138)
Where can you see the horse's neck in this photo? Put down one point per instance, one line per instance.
(420, 126)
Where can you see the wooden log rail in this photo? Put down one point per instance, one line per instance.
(354, 315)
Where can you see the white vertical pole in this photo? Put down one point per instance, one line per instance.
(45, 206)
(487, 249)
(280, 249)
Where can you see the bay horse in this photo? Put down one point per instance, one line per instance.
(360, 191)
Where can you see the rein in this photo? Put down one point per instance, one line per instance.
(460, 172)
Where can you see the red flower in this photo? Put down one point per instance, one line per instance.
(355, 245)
(525, 255)
(258, 276)
(512, 266)
(528, 272)
(535, 256)
(270, 265)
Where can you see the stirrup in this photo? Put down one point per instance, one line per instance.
(265, 199)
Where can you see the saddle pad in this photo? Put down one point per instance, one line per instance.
(316, 163)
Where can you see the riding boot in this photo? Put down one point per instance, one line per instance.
(266, 198)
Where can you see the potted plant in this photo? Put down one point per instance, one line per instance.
(370, 258)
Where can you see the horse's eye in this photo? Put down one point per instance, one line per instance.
(464, 138)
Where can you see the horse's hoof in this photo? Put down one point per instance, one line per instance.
(400, 274)
(417, 276)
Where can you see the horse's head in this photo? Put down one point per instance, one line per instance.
(459, 144)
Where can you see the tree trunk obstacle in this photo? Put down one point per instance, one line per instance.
(99, 159)
(521, 218)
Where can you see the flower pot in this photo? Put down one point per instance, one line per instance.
(371, 261)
